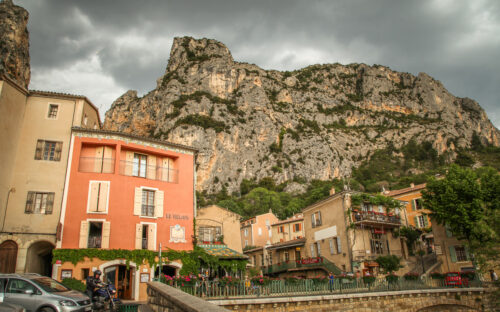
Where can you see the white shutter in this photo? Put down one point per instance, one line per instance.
(138, 236)
(159, 198)
(106, 227)
(137, 201)
(339, 245)
(151, 167)
(94, 191)
(312, 251)
(84, 234)
(103, 197)
(332, 250)
(108, 163)
(152, 236)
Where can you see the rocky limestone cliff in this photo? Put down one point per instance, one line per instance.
(14, 43)
(313, 123)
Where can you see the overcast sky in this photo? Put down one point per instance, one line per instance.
(101, 49)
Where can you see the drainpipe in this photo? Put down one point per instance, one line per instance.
(11, 190)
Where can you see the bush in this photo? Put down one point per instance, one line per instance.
(391, 278)
(73, 283)
(368, 279)
(437, 275)
(411, 276)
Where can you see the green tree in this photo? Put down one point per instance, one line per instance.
(389, 263)
(468, 202)
(411, 234)
(259, 201)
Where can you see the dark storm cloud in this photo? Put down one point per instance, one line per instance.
(457, 42)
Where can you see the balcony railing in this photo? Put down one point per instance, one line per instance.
(94, 242)
(376, 218)
(130, 168)
(304, 263)
(96, 164)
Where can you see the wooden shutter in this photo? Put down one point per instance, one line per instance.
(319, 248)
(453, 254)
(99, 151)
(93, 196)
(152, 236)
(312, 251)
(50, 203)
(137, 201)
(30, 202)
(319, 218)
(413, 206)
(129, 163)
(151, 167)
(467, 255)
(339, 245)
(108, 161)
(158, 204)
(106, 229)
(448, 232)
(138, 236)
(103, 197)
(84, 234)
(426, 221)
(415, 219)
(313, 220)
(57, 153)
(39, 149)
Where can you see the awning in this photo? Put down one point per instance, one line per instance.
(222, 251)
(371, 264)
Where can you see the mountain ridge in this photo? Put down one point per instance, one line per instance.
(314, 123)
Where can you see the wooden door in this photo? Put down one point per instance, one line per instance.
(8, 257)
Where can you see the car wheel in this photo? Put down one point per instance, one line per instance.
(46, 309)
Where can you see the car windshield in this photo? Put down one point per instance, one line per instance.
(49, 284)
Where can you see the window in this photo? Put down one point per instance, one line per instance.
(260, 231)
(95, 235)
(148, 203)
(316, 219)
(421, 221)
(17, 286)
(85, 119)
(281, 229)
(246, 232)
(140, 163)
(48, 150)
(209, 234)
(377, 244)
(286, 256)
(461, 253)
(332, 248)
(312, 251)
(85, 273)
(53, 108)
(296, 227)
(319, 248)
(98, 197)
(262, 260)
(417, 204)
(144, 236)
(246, 243)
(39, 203)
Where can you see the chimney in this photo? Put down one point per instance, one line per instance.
(332, 191)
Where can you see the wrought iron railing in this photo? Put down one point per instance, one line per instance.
(94, 242)
(297, 287)
(314, 262)
(152, 172)
(96, 164)
(376, 217)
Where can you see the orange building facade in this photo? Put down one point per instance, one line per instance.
(125, 192)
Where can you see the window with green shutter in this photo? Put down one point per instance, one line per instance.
(453, 255)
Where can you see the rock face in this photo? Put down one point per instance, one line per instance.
(313, 123)
(14, 43)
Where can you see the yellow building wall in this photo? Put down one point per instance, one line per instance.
(227, 220)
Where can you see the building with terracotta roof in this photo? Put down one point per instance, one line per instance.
(416, 213)
(256, 231)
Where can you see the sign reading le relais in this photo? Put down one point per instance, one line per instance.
(176, 216)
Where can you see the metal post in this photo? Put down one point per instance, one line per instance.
(160, 270)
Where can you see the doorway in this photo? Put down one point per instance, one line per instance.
(121, 278)
(8, 257)
(39, 258)
(165, 270)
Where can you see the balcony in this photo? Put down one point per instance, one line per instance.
(376, 219)
(302, 264)
(96, 164)
(130, 168)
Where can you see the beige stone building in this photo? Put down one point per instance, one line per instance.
(217, 224)
(452, 254)
(348, 236)
(257, 231)
(35, 136)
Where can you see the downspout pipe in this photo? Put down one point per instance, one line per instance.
(11, 190)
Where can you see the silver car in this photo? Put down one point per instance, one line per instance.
(41, 294)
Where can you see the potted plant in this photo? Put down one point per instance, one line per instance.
(411, 276)
(391, 278)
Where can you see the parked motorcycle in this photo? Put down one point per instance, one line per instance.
(104, 300)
